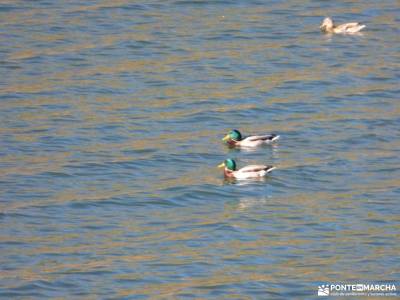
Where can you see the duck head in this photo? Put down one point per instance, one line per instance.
(327, 25)
(233, 135)
(229, 165)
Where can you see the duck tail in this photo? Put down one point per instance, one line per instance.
(275, 137)
(269, 169)
(357, 28)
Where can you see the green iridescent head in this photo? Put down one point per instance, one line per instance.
(230, 164)
(233, 135)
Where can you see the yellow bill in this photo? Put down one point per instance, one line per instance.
(226, 138)
(221, 165)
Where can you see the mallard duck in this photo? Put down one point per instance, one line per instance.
(328, 26)
(247, 172)
(234, 139)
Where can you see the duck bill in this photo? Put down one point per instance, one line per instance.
(227, 137)
(221, 165)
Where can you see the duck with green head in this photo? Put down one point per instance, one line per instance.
(234, 139)
(247, 172)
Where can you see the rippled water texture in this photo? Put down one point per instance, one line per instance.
(112, 114)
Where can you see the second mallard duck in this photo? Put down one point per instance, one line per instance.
(234, 139)
(247, 172)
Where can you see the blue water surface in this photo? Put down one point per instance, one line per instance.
(111, 119)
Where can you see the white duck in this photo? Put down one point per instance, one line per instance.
(328, 26)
